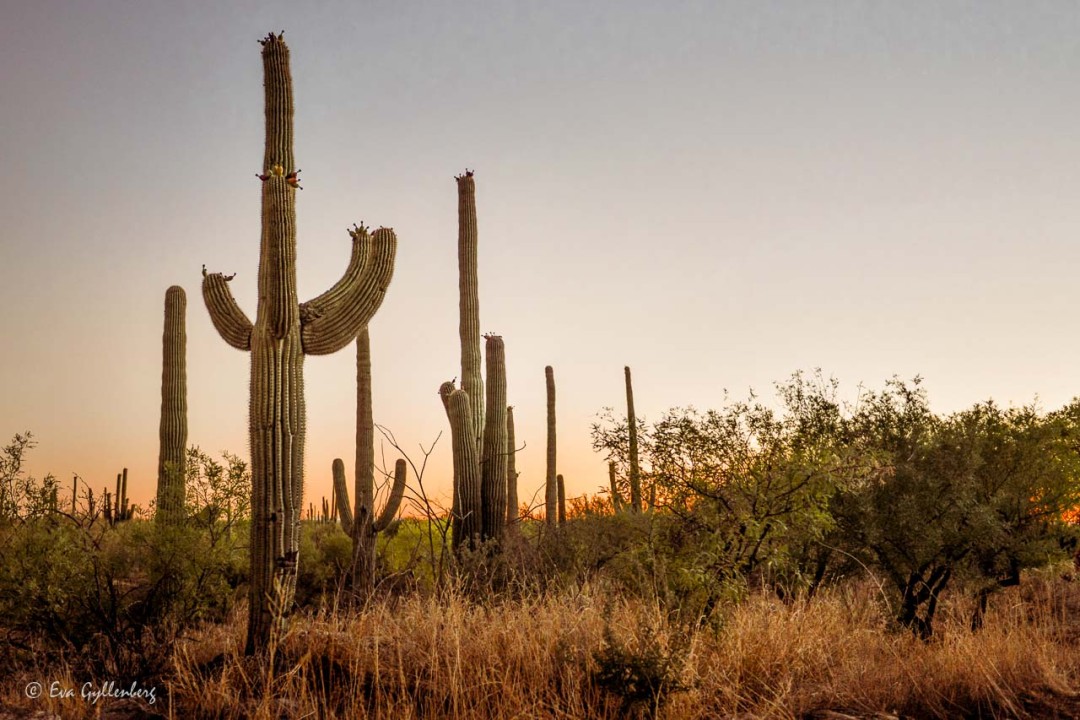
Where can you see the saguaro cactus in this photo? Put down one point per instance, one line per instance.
(173, 429)
(511, 470)
(616, 498)
(635, 468)
(551, 489)
(480, 446)
(282, 334)
(562, 498)
(361, 523)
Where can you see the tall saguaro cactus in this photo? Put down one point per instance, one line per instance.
(284, 332)
(635, 467)
(173, 429)
(551, 488)
(480, 445)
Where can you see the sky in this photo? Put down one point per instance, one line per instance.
(716, 194)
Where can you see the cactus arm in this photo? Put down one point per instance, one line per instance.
(493, 461)
(229, 320)
(397, 492)
(444, 393)
(341, 496)
(332, 320)
(469, 301)
(466, 521)
(511, 469)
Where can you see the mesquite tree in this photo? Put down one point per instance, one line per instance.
(284, 332)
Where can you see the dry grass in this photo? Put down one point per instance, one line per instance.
(538, 657)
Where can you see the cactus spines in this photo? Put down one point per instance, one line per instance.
(562, 498)
(172, 436)
(635, 468)
(466, 523)
(511, 470)
(493, 460)
(283, 332)
(551, 494)
(469, 301)
(616, 498)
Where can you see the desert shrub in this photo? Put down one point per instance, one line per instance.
(110, 599)
(325, 558)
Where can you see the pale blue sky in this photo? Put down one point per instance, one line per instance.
(716, 194)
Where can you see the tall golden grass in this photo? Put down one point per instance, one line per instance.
(538, 657)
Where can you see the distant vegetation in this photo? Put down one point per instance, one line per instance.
(784, 560)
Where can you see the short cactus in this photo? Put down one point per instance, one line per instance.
(616, 498)
(284, 332)
(562, 498)
(511, 470)
(172, 453)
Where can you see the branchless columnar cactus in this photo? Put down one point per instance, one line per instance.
(551, 488)
(284, 332)
(561, 484)
(635, 468)
(616, 498)
(360, 522)
(479, 438)
(511, 471)
(172, 436)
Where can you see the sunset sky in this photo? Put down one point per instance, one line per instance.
(714, 193)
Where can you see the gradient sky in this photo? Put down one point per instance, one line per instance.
(714, 193)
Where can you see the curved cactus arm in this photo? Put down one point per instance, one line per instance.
(466, 521)
(444, 392)
(393, 503)
(341, 497)
(231, 322)
(331, 321)
(361, 247)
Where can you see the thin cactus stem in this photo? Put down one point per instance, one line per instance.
(511, 470)
(635, 468)
(493, 462)
(173, 430)
(562, 498)
(125, 512)
(74, 493)
(616, 498)
(551, 495)
(284, 332)
(466, 522)
(469, 302)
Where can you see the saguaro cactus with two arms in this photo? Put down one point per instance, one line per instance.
(284, 332)
(361, 523)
